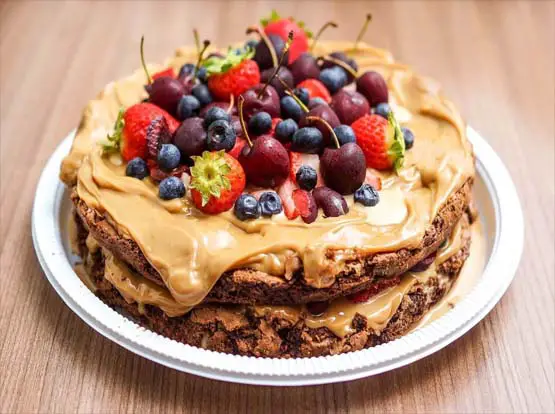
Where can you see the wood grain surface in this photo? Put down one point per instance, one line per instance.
(494, 59)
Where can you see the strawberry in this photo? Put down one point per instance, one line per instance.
(166, 72)
(217, 180)
(374, 289)
(281, 27)
(238, 147)
(316, 89)
(157, 133)
(275, 121)
(381, 141)
(131, 128)
(285, 192)
(231, 75)
(373, 180)
(158, 175)
(306, 205)
(296, 159)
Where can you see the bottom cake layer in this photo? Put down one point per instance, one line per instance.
(343, 325)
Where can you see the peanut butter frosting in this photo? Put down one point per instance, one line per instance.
(191, 250)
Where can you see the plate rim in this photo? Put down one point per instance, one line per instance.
(509, 238)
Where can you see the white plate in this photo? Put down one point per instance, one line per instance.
(499, 207)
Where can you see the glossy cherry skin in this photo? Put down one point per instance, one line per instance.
(266, 163)
(268, 102)
(344, 168)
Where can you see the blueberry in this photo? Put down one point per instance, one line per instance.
(306, 177)
(251, 44)
(246, 207)
(214, 114)
(202, 74)
(170, 188)
(314, 102)
(202, 93)
(333, 78)
(187, 107)
(220, 136)
(367, 195)
(308, 140)
(168, 157)
(382, 109)
(137, 168)
(302, 94)
(290, 109)
(285, 130)
(345, 134)
(409, 137)
(186, 70)
(270, 203)
(260, 123)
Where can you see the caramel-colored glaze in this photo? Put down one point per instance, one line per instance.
(191, 250)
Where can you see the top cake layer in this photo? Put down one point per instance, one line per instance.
(191, 250)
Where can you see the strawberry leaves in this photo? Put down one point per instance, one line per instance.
(209, 175)
(113, 142)
(396, 150)
(233, 58)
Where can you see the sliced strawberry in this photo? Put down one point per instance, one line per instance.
(316, 89)
(166, 72)
(296, 159)
(306, 205)
(157, 134)
(158, 175)
(275, 121)
(238, 147)
(373, 179)
(374, 289)
(285, 192)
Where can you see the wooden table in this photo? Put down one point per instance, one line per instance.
(495, 60)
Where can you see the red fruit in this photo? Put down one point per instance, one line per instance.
(281, 27)
(231, 75)
(373, 86)
(166, 72)
(305, 205)
(238, 147)
(275, 121)
(158, 175)
(157, 134)
(285, 192)
(217, 180)
(374, 289)
(296, 159)
(381, 141)
(373, 180)
(131, 128)
(316, 89)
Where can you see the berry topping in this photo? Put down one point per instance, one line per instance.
(170, 188)
(269, 50)
(217, 180)
(260, 123)
(137, 168)
(349, 106)
(424, 264)
(408, 137)
(327, 114)
(367, 196)
(308, 140)
(186, 70)
(345, 134)
(333, 78)
(331, 202)
(157, 175)
(342, 60)
(372, 179)
(226, 106)
(285, 192)
(372, 85)
(382, 109)
(306, 205)
(305, 67)
(220, 136)
(302, 94)
(381, 141)
(215, 114)
(313, 103)
(190, 137)
(285, 130)
(246, 207)
(270, 203)
(187, 107)
(202, 93)
(283, 76)
(157, 134)
(306, 177)
(261, 98)
(316, 89)
(231, 75)
(274, 25)
(290, 109)
(166, 72)
(168, 157)
(238, 147)
(298, 159)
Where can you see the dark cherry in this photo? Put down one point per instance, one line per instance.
(165, 92)
(305, 67)
(343, 58)
(268, 102)
(190, 137)
(343, 168)
(331, 202)
(373, 86)
(223, 105)
(328, 115)
(349, 106)
(266, 163)
(236, 124)
(283, 73)
(262, 55)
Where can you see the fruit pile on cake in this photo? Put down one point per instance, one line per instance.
(288, 197)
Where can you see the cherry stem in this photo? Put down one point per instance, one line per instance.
(339, 62)
(291, 93)
(242, 120)
(319, 33)
(267, 42)
(362, 30)
(327, 125)
(205, 45)
(280, 64)
(197, 40)
(148, 78)
(231, 103)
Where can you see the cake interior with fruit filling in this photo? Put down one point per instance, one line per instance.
(286, 197)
